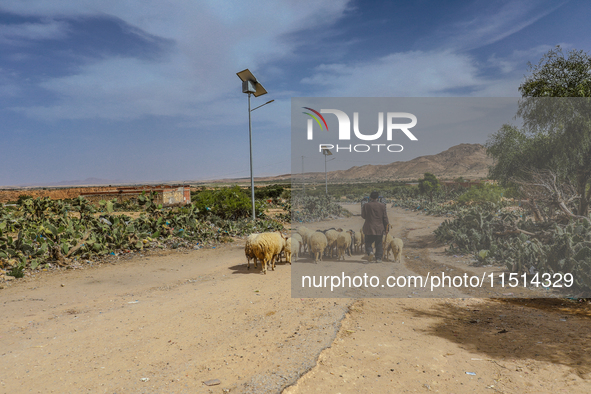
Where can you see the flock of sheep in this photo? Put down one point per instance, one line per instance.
(268, 247)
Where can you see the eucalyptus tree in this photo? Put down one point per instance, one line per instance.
(556, 135)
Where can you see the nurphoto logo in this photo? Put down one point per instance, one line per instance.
(344, 131)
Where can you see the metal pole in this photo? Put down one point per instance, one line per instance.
(251, 174)
(303, 181)
(325, 176)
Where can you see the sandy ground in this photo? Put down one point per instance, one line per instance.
(169, 321)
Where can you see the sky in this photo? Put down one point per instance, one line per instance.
(147, 91)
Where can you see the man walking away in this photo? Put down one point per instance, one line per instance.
(376, 225)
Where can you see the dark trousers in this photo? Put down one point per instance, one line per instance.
(377, 239)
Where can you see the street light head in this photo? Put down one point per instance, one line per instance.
(250, 83)
(248, 87)
(326, 152)
(268, 102)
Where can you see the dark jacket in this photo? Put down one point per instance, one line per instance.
(376, 218)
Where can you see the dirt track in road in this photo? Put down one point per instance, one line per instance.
(167, 322)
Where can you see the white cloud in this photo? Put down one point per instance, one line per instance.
(496, 20)
(212, 41)
(414, 73)
(427, 74)
(215, 39)
(518, 59)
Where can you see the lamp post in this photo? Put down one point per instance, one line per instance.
(250, 85)
(303, 180)
(326, 153)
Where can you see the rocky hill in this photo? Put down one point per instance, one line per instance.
(467, 160)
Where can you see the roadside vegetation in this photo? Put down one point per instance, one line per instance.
(547, 163)
(41, 233)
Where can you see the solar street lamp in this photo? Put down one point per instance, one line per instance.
(250, 85)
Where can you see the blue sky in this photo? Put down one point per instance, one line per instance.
(147, 91)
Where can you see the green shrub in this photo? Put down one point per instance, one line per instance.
(552, 248)
(227, 203)
(482, 193)
(268, 192)
(17, 271)
(310, 209)
(21, 198)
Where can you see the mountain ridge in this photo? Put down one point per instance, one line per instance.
(466, 160)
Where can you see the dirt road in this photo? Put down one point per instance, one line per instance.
(169, 321)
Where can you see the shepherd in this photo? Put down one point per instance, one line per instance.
(375, 227)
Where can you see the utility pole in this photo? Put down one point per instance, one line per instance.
(326, 153)
(251, 173)
(303, 179)
(251, 85)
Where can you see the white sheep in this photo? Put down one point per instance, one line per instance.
(298, 237)
(395, 245)
(305, 233)
(289, 244)
(266, 247)
(317, 243)
(398, 245)
(331, 239)
(284, 237)
(282, 253)
(356, 242)
(343, 243)
(248, 250)
(295, 249)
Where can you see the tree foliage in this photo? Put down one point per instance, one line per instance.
(558, 76)
(556, 133)
(230, 203)
(429, 185)
(481, 194)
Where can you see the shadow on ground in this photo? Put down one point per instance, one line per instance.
(241, 269)
(551, 330)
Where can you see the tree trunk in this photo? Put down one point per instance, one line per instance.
(582, 180)
(535, 210)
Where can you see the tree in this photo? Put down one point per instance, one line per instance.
(559, 76)
(429, 184)
(556, 134)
